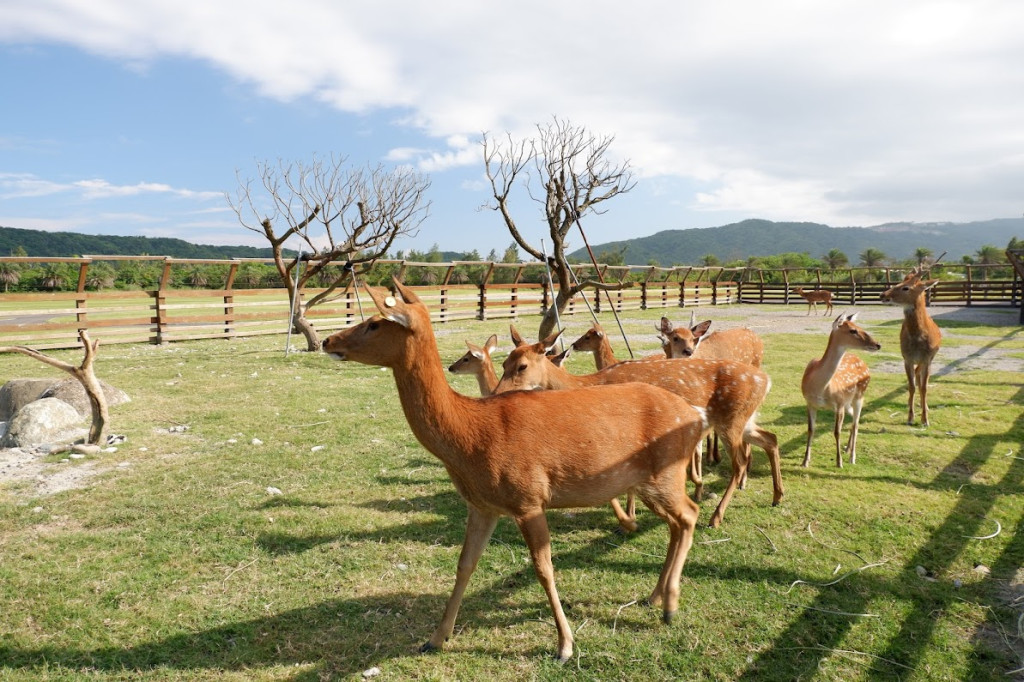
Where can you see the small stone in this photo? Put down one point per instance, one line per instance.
(322, 410)
(371, 672)
(232, 441)
(316, 448)
(957, 583)
(37, 510)
(982, 569)
(257, 441)
(77, 455)
(110, 449)
(85, 449)
(271, 490)
(122, 465)
(402, 567)
(921, 571)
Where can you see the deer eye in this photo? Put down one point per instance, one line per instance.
(372, 326)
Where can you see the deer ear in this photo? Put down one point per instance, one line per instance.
(929, 284)
(701, 329)
(551, 340)
(491, 344)
(390, 308)
(516, 338)
(839, 320)
(408, 294)
(666, 326)
(557, 360)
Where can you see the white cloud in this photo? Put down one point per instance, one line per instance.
(847, 110)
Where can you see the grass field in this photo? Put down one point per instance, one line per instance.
(178, 563)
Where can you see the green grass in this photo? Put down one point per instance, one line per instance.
(180, 565)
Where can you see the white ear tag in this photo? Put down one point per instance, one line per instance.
(390, 301)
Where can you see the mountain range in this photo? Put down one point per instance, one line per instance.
(739, 241)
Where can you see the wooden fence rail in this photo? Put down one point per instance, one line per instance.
(48, 320)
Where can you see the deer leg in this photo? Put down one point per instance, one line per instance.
(911, 383)
(670, 502)
(746, 466)
(626, 519)
(739, 464)
(923, 371)
(535, 531)
(851, 447)
(716, 455)
(697, 473)
(837, 429)
(812, 417)
(767, 441)
(479, 527)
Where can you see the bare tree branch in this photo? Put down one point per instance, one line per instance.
(572, 177)
(337, 212)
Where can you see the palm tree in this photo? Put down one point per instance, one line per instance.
(54, 277)
(10, 274)
(835, 259)
(988, 255)
(709, 260)
(100, 276)
(872, 257)
(197, 277)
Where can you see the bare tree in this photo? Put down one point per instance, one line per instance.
(337, 212)
(568, 171)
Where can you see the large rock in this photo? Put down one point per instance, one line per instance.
(17, 393)
(46, 420)
(71, 391)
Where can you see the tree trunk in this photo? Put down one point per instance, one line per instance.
(547, 321)
(306, 328)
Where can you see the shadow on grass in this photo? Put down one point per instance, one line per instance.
(821, 634)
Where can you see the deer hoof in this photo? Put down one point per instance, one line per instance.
(429, 648)
(666, 617)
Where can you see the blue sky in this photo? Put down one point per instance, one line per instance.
(121, 117)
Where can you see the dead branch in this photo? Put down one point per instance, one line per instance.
(85, 375)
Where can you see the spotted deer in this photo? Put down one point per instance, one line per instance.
(920, 337)
(815, 297)
(730, 391)
(739, 344)
(837, 382)
(522, 453)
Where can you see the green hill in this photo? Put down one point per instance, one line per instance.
(742, 240)
(71, 244)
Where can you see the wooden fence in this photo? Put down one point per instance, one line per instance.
(47, 320)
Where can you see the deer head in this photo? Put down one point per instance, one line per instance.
(682, 342)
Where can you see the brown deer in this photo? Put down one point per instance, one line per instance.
(837, 382)
(815, 297)
(740, 345)
(477, 361)
(595, 341)
(920, 337)
(525, 452)
(730, 391)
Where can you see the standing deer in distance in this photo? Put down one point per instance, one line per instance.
(522, 453)
(730, 391)
(815, 297)
(837, 382)
(920, 337)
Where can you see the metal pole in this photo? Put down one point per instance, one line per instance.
(295, 301)
(551, 287)
(600, 278)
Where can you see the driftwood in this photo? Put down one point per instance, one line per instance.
(84, 373)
